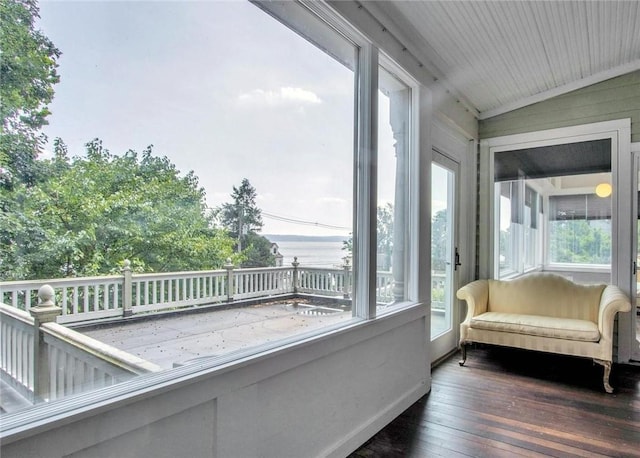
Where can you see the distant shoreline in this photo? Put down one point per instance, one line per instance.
(305, 238)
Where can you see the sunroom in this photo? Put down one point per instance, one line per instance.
(489, 128)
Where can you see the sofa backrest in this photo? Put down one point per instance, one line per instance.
(547, 295)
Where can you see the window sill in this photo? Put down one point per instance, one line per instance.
(594, 268)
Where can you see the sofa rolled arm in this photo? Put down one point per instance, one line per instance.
(612, 301)
(476, 294)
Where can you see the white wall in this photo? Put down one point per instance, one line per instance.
(324, 397)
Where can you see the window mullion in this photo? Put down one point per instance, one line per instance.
(365, 180)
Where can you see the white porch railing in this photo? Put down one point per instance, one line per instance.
(81, 299)
(154, 292)
(78, 363)
(328, 282)
(16, 350)
(94, 298)
(43, 360)
(261, 282)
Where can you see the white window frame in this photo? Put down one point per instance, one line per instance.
(619, 131)
(365, 164)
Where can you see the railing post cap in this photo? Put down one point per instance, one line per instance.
(46, 310)
(229, 264)
(127, 265)
(295, 262)
(45, 295)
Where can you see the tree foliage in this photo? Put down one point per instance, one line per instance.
(257, 251)
(242, 215)
(384, 229)
(242, 218)
(90, 213)
(440, 240)
(28, 73)
(580, 241)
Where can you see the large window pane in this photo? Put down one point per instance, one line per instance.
(242, 206)
(394, 142)
(507, 219)
(552, 211)
(580, 229)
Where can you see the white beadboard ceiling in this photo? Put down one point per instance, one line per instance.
(501, 55)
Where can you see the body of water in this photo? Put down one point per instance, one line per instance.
(313, 253)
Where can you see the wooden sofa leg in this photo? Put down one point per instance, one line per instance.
(463, 350)
(607, 372)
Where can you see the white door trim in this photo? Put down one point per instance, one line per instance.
(619, 131)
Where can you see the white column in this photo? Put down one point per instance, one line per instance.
(399, 115)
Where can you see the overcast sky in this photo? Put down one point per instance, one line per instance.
(220, 88)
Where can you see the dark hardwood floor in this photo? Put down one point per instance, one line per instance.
(507, 402)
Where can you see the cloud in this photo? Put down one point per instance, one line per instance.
(332, 201)
(283, 96)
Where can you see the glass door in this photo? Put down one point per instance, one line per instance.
(445, 258)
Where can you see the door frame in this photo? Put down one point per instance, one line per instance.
(454, 145)
(635, 345)
(622, 170)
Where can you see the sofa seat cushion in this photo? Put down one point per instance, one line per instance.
(534, 325)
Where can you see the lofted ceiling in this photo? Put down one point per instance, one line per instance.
(501, 55)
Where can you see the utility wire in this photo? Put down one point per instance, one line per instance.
(303, 222)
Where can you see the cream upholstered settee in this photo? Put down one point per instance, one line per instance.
(543, 312)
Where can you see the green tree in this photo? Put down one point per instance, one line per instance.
(581, 241)
(98, 210)
(243, 220)
(384, 231)
(242, 216)
(28, 63)
(347, 245)
(257, 251)
(439, 237)
(385, 235)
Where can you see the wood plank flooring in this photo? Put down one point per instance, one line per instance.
(506, 403)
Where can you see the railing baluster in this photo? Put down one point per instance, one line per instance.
(53, 373)
(154, 299)
(18, 368)
(116, 293)
(105, 296)
(74, 303)
(96, 298)
(85, 298)
(12, 353)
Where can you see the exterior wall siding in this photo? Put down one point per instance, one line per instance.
(616, 98)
